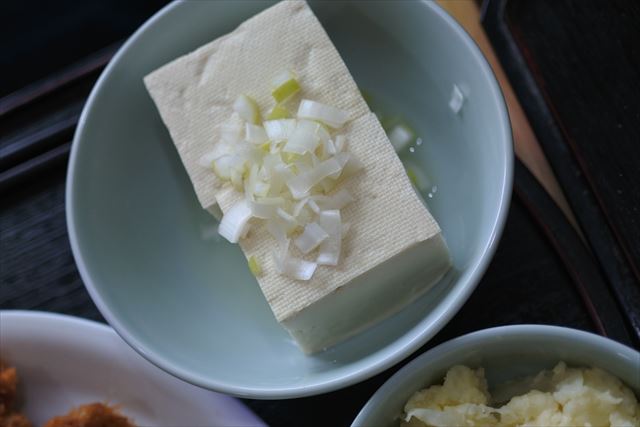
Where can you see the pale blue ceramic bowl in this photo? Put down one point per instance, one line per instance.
(189, 304)
(506, 353)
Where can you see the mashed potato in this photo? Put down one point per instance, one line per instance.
(560, 397)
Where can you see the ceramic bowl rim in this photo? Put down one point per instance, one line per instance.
(474, 339)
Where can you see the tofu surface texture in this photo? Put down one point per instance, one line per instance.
(393, 250)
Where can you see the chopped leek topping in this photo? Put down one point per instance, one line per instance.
(457, 99)
(331, 116)
(417, 177)
(235, 222)
(280, 129)
(331, 223)
(247, 109)
(288, 169)
(255, 134)
(401, 136)
(278, 112)
(311, 238)
(254, 266)
(285, 86)
(412, 176)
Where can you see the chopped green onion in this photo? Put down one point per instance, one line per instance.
(278, 112)
(457, 99)
(331, 116)
(417, 177)
(287, 168)
(306, 137)
(310, 238)
(254, 266)
(401, 136)
(280, 130)
(255, 134)
(331, 223)
(412, 176)
(235, 222)
(247, 109)
(285, 86)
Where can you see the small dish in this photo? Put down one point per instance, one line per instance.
(64, 361)
(186, 300)
(506, 353)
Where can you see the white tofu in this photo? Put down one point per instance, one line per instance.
(394, 250)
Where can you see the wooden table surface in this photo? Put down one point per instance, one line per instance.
(525, 143)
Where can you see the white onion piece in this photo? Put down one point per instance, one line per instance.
(336, 201)
(278, 230)
(328, 184)
(279, 130)
(401, 136)
(301, 184)
(235, 223)
(324, 113)
(225, 166)
(331, 223)
(310, 238)
(294, 268)
(352, 165)
(282, 78)
(207, 159)
(248, 152)
(287, 218)
(305, 137)
(250, 182)
(329, 148)
(276, 173)
(255, 134)
(457, 99)
(342, 159)
(300, 213)
(220, 149)
(266, 208)
(236, 178)
(340, 143)
(297, 208)
(313, 205)
(261, 189)
(247, 109)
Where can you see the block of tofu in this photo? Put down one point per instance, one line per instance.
(394, 249)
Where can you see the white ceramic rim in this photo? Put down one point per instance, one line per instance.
(84, 333)
(403, 347)
(475, 338)
(45, 316)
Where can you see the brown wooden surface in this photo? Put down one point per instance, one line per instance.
(526, 146)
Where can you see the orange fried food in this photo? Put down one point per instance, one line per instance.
(8, 386)
(14, 420)
(91, 415)
(8, 389)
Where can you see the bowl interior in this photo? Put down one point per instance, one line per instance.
(506, 353)
(184, 298)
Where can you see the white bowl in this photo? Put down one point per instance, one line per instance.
(64, 362)
(506, 353)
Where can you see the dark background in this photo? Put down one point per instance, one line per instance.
(542, 271)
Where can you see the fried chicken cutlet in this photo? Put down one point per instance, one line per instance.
(91, 415)
(8, 391)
